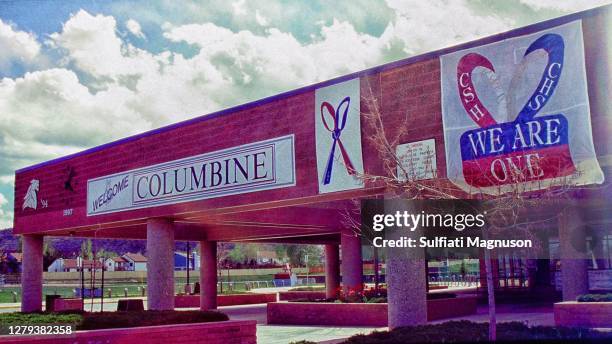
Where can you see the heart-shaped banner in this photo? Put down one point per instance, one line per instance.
(526, 149)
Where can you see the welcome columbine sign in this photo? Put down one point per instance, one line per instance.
(517, 112)
(257, 166)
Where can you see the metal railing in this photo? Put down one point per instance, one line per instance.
(248, 285)
(10, 278)
(455, 280)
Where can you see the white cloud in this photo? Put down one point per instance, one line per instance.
(564, 5)
(92, 44)
(16, 46)
(428, 25)
(47, 114)
(6, 215)
(7, 179)
(277, 60)
(261, 20)
(239, 7)
(134, 27)
(52, 106)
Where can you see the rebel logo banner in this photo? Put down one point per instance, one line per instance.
(516, 113)
(338, 135)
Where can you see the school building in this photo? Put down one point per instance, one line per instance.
(284, 169)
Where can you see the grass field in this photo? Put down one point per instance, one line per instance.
(133, 288)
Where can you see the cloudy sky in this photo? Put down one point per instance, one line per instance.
(75, 74)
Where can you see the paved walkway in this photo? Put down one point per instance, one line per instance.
(532, 314)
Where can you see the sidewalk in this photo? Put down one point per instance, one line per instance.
(531, 314)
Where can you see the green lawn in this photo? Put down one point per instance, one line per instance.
(6, 294)
(117, 288)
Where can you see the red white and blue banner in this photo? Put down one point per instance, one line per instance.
(338, 136)
(516, 114)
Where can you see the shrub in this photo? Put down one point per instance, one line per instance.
(8, 319)
(96, 321)
(310, 288)
(595, 298)
(372, 295)
(377, 300)
(467, 331)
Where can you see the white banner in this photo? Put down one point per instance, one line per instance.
(252, 167)
(338, 136)
(516, 112)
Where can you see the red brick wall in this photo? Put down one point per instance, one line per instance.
(185, 301)
(583, 314)
(359, 314)
(245, 299)
(294, 115)
(300, 295)
(67, 304)
(409, 92)
(338, 314)
(448, 308)
(225, 332)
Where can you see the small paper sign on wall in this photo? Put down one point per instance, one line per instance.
(417, 160)
(338, 136)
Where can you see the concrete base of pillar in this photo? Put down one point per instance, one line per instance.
(352, 264)
(160, 264)
(574, 278)
(208, 275)
(406, 292)
(32, 273)
(332, 270)
(574, 263)
(406, 278)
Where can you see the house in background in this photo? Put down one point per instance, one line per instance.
(135, 262)
(116, 264)
(10, 262)
(74, 265)
(126, 262)
(180, 261)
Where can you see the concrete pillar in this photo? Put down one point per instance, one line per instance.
(32, 273)
(352, 264)
(599, 250)
(160, 264)
(208, 275)
(574, 259)
(406, 280)
(332, 270)
(483, 271)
